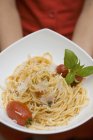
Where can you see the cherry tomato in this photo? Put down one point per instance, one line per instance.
(78, 79)
(61, 69)
(19, 112)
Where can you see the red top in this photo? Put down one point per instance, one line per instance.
(58, 15)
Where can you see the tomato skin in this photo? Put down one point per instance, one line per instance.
(61, 69)
(19, 112)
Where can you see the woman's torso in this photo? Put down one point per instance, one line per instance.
(58, 15)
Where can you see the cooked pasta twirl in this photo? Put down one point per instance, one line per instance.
(46, 93)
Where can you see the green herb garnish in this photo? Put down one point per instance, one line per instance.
(72, 62)
(49, 103)
(28, 122)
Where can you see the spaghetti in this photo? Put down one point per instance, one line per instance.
(47, 95)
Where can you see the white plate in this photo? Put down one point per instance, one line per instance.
(35, 44)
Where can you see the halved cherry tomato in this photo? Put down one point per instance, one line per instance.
(19, 112)
(61, 69)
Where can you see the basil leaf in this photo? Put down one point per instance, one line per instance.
(78, 67)
(70, 59)
(86, 71)
(70, 77)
